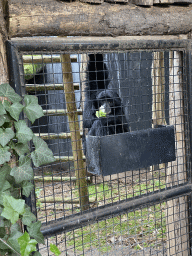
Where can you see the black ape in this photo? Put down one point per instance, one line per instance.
(99, 96)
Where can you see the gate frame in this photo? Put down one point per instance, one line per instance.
(107, 45)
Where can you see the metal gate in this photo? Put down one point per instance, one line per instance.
(134, 195)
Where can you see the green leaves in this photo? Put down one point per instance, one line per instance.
(6, 135)
(15, 136)
(12, 208)
(27, 188)
(54, 249)
(28, 216)
(20, 148)
(15, 110)
(42, 154)
(34, 231)
(23, 171)
(2, 109)
(27, 245)
(24, 133)
(7, 91)
(4, 171)
(32, 108)
(13, 240)
(4, 155)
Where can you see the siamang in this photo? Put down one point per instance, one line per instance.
(98, 96)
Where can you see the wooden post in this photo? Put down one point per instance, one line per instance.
(158, 94)
(80, 170)
(3, 37)
(177, 209)
(158, 90)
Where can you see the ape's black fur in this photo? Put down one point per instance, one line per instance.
(97, 93)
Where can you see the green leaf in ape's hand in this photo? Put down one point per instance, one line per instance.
(27, 245)
(42, 154)
(28, 216)
(2, 109)
(4, 155)
(20, 148)
(6, 135)
(12, 208)
(24, 133)
(23, 171)
(7, 91)
(32, 108)
(26, 188)
(34, 231)
(54, 249)
(15, 110)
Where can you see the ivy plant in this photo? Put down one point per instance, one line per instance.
(15, 178)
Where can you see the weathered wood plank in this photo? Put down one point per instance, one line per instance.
(80, 19)
(38, 59)
(59, 112)
(43, 87)
(177, 224)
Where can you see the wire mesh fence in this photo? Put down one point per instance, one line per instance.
(140, 232)
(87, 94)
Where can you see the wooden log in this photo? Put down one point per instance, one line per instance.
(43, 59)
(158, 94)
(177, 224)
(79, 19)
(158, 89)
(67, 159)
(55, 179)
(48, 87)
(80, 170)
(60, 112)
(48, 200)
(3, 37)
(54, 136)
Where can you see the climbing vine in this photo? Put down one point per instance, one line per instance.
(16, 176)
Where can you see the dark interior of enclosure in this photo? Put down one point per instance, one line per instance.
(144, 81)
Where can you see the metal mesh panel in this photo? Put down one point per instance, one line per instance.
(150, 91)
(141, 232)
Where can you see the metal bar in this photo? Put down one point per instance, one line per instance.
(108, 44)
(108, 211)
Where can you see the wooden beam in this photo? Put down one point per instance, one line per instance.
(48, 87)
(60, 18)
(54, 136)
(59, 112)
(3, 37)
(43, 59)
(80, 169)
(177, 222)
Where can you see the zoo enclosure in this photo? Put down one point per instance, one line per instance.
(162, 191)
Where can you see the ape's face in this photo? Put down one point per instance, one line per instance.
(106, 107)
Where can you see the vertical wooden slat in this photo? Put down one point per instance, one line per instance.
(177, 209)
(158, 94)
(80, 170)
(158, 89)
